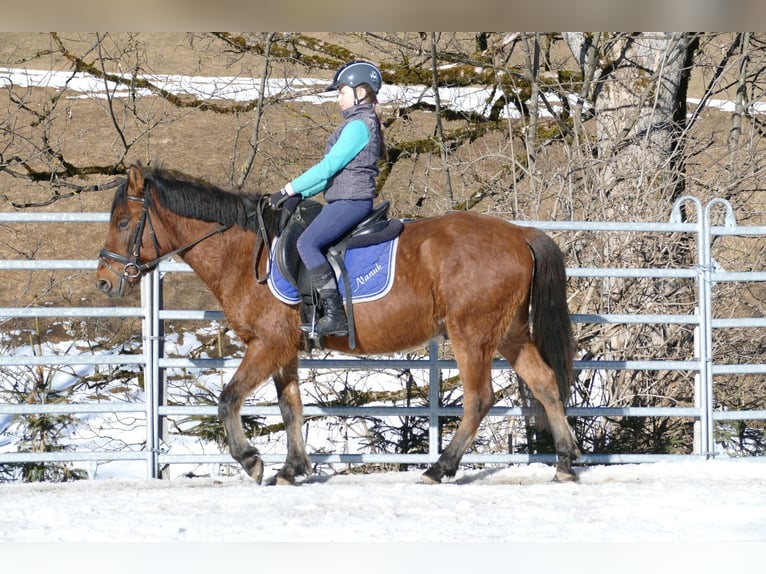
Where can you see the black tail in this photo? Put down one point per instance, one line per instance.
(551, 324)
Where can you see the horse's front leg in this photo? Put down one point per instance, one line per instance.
(247, 378)
(291, 407)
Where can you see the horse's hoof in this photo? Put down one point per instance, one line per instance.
(284, 478)
(254, 467)
(562, 476)
(430, 477)
(284, 481)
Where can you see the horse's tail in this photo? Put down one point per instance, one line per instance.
(551, 324)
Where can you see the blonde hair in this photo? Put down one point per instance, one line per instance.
(371, 97)
(379, 114)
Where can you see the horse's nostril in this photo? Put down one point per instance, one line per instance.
(104, 285)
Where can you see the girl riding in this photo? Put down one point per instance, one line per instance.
(346, 174)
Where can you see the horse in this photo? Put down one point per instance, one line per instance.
(485, 283)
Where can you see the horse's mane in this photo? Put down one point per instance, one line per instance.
(191, 197)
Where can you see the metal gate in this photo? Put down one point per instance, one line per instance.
(153, 361)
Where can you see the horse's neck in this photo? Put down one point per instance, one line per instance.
(223, 262)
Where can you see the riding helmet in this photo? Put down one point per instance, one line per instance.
(355, 74)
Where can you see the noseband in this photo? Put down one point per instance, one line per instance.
(132, 266)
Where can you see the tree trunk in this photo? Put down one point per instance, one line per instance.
(637, 122)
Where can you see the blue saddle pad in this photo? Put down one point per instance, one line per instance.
(370, 273)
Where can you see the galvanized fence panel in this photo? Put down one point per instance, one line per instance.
(153, 362)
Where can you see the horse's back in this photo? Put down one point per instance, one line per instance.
(459, 269)
(467, 225)
(465, 243)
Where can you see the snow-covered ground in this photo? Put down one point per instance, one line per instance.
(697, 516)
(475, 99)
(696, 501)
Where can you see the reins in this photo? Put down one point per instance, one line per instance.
(132, 267)
(262, 240)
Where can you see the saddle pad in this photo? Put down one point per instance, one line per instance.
(370, 273)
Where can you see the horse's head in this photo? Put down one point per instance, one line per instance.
(122, 259)
(159, 213)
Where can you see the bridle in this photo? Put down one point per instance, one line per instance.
(132, 266)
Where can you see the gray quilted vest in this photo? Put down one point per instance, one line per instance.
(357, 179)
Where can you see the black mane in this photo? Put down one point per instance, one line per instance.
(194, 198)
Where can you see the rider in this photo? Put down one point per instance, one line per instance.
(346, 174)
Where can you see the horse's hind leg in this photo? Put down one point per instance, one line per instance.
(522, 354)
(291, 407)
(475, 373)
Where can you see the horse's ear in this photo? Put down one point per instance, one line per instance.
(136, 180)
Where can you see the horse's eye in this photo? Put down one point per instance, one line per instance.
(123, 223)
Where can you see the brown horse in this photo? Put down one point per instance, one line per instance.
(468, 276)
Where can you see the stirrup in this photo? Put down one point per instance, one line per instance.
(310, 328)
(308, 324)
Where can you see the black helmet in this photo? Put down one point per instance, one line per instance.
(355, 74)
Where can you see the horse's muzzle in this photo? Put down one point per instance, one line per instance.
(106, 287)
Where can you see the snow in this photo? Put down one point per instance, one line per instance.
(695, 501)
(478, 99)
(696, 516)
(471, 99)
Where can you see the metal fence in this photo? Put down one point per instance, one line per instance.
(153, 361)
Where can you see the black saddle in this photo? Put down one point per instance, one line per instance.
(373, 229)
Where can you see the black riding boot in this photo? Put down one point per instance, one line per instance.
(333, 319)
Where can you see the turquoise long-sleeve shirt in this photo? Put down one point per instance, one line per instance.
(354, 137)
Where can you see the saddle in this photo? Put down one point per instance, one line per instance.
(373, 229)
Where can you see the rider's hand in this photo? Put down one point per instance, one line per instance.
(276, 200)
